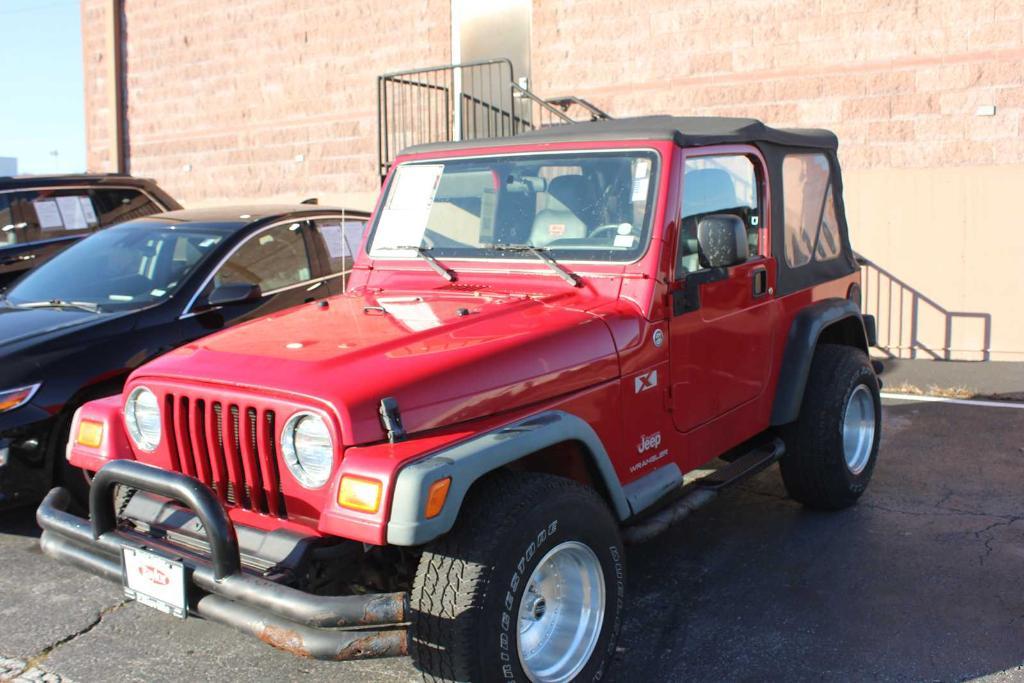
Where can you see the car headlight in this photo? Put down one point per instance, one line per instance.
(15, 398)
(307, 449)
(142, 417)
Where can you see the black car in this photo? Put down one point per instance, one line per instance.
(72, 329)
(41, 215)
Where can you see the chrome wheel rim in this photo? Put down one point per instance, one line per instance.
(560, 613)
(859, 429)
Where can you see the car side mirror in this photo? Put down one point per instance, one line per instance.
(226, 295)
(722, 239)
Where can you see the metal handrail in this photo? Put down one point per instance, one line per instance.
(473, 100)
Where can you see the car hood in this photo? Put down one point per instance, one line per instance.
(33, 337)
(20, 324)
(445, 358)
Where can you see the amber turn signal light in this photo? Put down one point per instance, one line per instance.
(356, 493)
(436, 497)
(90, 433)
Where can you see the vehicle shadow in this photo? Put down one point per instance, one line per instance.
(20, 521)
(920, 581)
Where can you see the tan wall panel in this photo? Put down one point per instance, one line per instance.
(945, 248)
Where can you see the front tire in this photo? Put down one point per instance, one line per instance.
(528, 586)
(832, 448)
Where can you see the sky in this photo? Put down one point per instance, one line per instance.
(41, 87)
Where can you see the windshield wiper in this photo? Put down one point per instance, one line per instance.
(60, 303)
(424, 253)
(541, 253)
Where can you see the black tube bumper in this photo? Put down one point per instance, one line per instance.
(321, 627)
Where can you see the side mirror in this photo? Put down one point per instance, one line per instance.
(722, 239)
(234, 294)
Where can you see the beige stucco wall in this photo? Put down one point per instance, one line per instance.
(945, 246)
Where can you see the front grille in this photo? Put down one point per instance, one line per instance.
(230, 448)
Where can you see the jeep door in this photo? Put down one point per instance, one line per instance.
(722, 321)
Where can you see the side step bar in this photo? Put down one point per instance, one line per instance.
(699, 493)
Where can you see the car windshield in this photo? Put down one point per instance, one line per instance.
(576, 206)
(128, 266)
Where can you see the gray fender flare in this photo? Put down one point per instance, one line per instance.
(467, 461)
(807, 326)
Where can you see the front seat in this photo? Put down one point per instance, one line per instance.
(568, 201)
(705, 191)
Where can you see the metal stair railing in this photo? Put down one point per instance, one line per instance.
(469, 101)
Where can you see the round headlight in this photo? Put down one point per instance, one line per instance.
(142, 416)
(307, 449)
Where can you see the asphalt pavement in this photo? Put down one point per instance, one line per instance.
(922, 581)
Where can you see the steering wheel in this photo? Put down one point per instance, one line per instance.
(600, 230)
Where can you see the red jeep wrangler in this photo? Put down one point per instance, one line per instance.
(551, 343)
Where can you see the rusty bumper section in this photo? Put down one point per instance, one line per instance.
(321, 627)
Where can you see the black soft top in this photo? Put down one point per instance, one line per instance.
(687, 131)
(776, 144)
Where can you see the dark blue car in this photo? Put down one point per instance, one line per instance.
(72, 329)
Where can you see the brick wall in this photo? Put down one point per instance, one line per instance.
(238, 90)
(899, 82)
(99, 129)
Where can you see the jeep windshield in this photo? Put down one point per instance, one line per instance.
(575, 206)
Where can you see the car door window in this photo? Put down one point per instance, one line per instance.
(714, 185)
(810, 210)
(341, 238)
(273, 259)
(46, 214)
(7, 225)
(116, 205)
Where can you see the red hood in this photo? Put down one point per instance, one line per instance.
(446, 357)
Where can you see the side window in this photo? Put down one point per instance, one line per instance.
(342, 239)
(46, 214)
(119, 205)
(811, 226)
(272, 259)
(717, 184)
(8, 234)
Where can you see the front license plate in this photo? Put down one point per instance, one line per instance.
(155, 581)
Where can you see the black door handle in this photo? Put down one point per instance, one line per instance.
(760, 281)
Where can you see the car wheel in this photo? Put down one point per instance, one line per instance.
(528, 586)
(832, 447)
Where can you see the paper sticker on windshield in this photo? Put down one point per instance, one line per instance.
(403, 219)
(642, 168)
(71, 212)
(88, 211)
(640, 188)
(624, 241)
(414, 187)
(556, 229)
(48, 214)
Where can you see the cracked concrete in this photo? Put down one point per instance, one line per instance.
(921, 581)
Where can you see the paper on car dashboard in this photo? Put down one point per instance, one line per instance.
(404, 218)
(48, 214)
